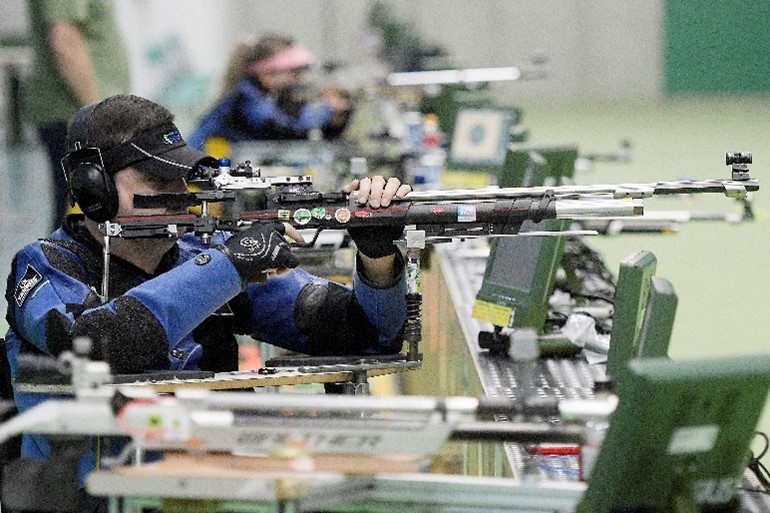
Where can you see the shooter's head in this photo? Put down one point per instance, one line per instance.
(275, 60)
(119, 133)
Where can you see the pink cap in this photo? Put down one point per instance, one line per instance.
(293, 57)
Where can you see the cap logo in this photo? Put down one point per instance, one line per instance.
(172, 137)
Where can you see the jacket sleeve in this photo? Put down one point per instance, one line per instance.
(311, 315)
(132, 332)
(263, 118)
(212, 124)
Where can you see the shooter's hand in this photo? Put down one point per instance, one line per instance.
(337, 97)
(377, 242)
(377, 191)
(260, 249)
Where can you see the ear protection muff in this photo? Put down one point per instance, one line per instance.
(89, 183)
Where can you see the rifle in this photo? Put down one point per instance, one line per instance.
(440, 217)
(442, 214)
(429, 216)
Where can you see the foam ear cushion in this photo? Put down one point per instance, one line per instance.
(94, 191)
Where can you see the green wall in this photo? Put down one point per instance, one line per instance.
(717, 46)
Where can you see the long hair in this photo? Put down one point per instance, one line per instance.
(251, 49)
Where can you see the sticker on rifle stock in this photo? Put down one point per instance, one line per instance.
(284, 214)
(342, 215)
(302, 216)
(466, 213)
(28, 282)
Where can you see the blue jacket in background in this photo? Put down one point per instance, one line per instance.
(249, 113)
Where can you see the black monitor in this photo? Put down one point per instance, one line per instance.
(519, 278)
(631, 292)
(679, 439)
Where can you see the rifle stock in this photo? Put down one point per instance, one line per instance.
(462, 218)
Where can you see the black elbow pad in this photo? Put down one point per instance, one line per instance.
(333, 320)
(130, 341)
(58, 326)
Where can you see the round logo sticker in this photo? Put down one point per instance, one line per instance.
(318, 212)
(202, 259)
(342, 215)
(302, 216)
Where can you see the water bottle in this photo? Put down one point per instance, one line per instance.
(433, 155)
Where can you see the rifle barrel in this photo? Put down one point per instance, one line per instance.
(618, 191)
(580, 209)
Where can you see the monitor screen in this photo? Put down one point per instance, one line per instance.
(480, 138)
(519, 278)
(680, 437)
(515, 262)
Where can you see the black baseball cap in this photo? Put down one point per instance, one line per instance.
(160, 151)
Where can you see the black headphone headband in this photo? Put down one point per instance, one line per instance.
(157, 141)
(77, 136)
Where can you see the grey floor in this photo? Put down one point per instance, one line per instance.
(720, 271)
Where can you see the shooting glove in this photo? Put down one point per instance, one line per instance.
(376, 241)
(257, 249)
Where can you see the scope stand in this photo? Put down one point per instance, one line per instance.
(109, 228)
(415, 242)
